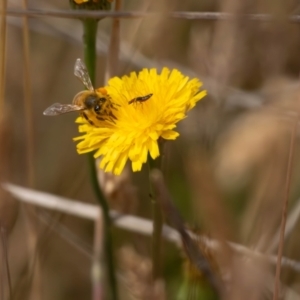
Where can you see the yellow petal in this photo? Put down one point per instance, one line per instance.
(153, 148)
(170, 135)
(136, 166)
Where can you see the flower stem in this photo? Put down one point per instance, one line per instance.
(90, 34)
(157, 236)
(89, 37)
(157, 225)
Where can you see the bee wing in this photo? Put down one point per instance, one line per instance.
(58, 109)
(81, 72)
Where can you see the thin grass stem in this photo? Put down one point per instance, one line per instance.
(35, 270)
(2, 53)
(28, 99)
(157, 225)
(5, 259)
(284, 210)
(89, 39)
(188, 15)
(97, 273)
(157, 239)
(114, 45)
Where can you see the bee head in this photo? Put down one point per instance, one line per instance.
(94, 101)
(90, 101)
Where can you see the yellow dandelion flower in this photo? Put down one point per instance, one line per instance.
(148, 107)
(91, 4)
(85, 1)
(81, 1)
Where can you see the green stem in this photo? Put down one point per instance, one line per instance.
(89, 38)
(90, 34)
(157, 226)
(157, 238)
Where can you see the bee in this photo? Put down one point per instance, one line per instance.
(93, 105)
(140, 99)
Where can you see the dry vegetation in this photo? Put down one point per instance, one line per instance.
(229, 174)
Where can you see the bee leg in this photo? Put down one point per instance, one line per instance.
(113, 105)
(112, 115)
(110, 119)
(99, 118)
(132, 101)
(86, 117)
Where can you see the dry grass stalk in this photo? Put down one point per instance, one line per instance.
(127, 222)
(2, 53)
(195, 254)
(190, 15)
(97, 268)
(284, 209)
(8, 210)
(114, 46)
(33, 234)
(28, 98)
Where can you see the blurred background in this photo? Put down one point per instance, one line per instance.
(227, 173)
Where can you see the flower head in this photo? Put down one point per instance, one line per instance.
(148, 107)
(91, 4)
